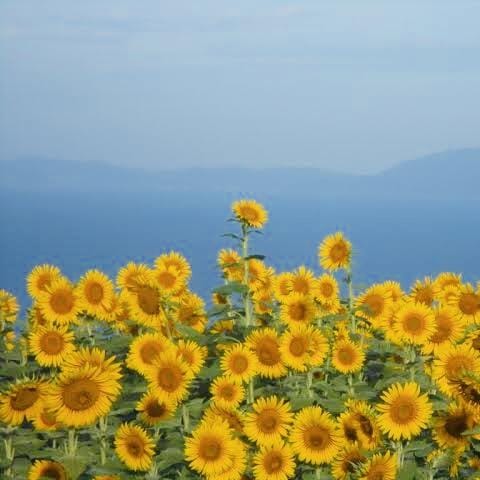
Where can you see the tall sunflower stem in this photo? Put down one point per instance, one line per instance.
(400, 453)
(71, 443)
(318, 473)
(103, 434)
(351, 388)
(247, 302)
(251, 393)
(310, 383)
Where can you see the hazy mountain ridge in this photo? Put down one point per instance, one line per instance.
(452, 174)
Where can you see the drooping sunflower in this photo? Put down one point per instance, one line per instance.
(282, 285)
(153, 411)
(192, 354)
(265, 344)
(128, 277)
(46, 421)
(269, 421)
(414, 323)
(250, 213)
(451, 362)
(47, 469)
(226, 393)
(134, 447)
(230, 262)
(373, 304)
(297, 309)
(425, 292)
(80, 397)
(326, 289)
(51, 345)
(315, 436)
(95, 292)
(239, 363)
(9, 307)
(169, 377)
(210, 449)
(59, 302)
(144, 349)
(296, 347)
(23, 400)
(466, 302)
(274, 462)
(176, 260)
(40, 278)
(404, 411)
(302, 281)
(347, 463)
(380, 467)
(347, 356)
(335, 252)
(449, 427)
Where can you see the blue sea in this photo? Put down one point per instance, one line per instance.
(393, 239)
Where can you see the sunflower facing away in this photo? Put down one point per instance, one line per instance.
(266, 346)
(269, 421)
(153, 411)
(405, 411)
(251, 213)
(425, 291)
(40, 278)
(239, 363)
(9, 307)
(347, 356)
(274, 462)
(134, 447)
(128, 277)
(335, 252)
(47, 469)
(51, 345)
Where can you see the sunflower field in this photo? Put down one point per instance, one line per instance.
(285, 375)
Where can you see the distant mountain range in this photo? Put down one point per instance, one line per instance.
(454, 174)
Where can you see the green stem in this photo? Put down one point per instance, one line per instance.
(71, 443)
(310, 383)
(186, 418)
(351, 388)
(9, 453)
(251, 393)
(247, 301)
(103, 433)
(400, 453)
(353, 321)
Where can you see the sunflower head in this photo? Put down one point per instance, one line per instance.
(227, 393)
(47, 469)
(40, 278)
(239, 363)
(51, 345)
(274, 461)
(9, 307)
(265, 344)
(134, 447)
(95, 292)
(59, 302)
(250, 213)
(153, 411)
(335, 252)
(347, 356)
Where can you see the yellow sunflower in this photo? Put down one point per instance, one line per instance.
(128, 277)
(169, 377)
(451, 362)
(153, 411)
(347, 356)
(226, 393)
(251, 213)
(144, 349)
(302, 281)
(315, 436)
(449, 427)
(234, 418)
(473, 339)
(176, 260)
(192, 354)
(373, 304)
(211, 449)
(335, 252)
(258, 274)
(425, 292)
(230, 262)
(47, 469)
(191, 312)
(282, 285)
(326, 289)
(405, 411)
(134, 447)
(169, 279)
(466, 302)
(266, 346)
(51, 345)
(380, 467)
(319, 350)
(270, 420)
(40, 278)
(239, 363)
(239, 462)
(394, 289)
(297, 346)
(145, 302)
(46, 421)
(23, 400)
(274, 462)
(95, 291)
(9, 307)
(347, 463)
(297, 309)
(79, 398)
(448, 279)
(59, 302)
(414, 323)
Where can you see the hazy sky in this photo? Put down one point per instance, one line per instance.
(345, 85)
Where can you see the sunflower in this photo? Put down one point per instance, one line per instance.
(59, 302)
(296, 347)
(282, 285)
(230, 263)
(319, 347)
(40, 278)
(9, 307)
(466, 302)
(302, 281)
(473, 339)
(192, 354)
(222, 326)
(274, 462)
(51, 345)
(347, 356)
(47, 469)
(258, 274)
(359, 426)
(23, 400)
(297, 309)
(153, 411)
(451, 362)
(234, 418)
(239, 363)
(144, 350)
(169, 279)
(227, 393)
(405, 411)
(134, 447)
(315, 436)
(347, 463)
(380, 467)
(449, 428)
(394, 289)
(95, 291)
(210, 450)
(237, 467)
(128, 277)
(169, 377)
(425, 292)
(145, 302)
(250, 213)
(448, 279)
(263, 301)
(373, 304)
(266, 346)
(46, 421)
(449, 328)
(326, 289)
(176, 260)
(414, 323)
(269, 421)
(191, 312)
(335, 252)
(80, 397)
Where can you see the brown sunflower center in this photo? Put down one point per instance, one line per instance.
(267, 420)
(170, 378)
(268, 352)
(51, 343)
(425, 295)
(456, 425)
(377, 472)
(149, 351)
(444, 329)
(134, 446)
(316, 437)
(414, 323)
(155, 409)
(227, 392)
(346, 355)
(350, 432)
(62, 301)
(339, 252)
(273, 462)
(326, 289)
(350, 462)
(238, 364)
(298, 346)
(24, 398)
(249, 214)
(298, 311)
(403, 411)
(476, 342)
(469, 303)
(148, 300)
(81, 394)
(210, 449)
(166, 279)
(53, 471)
(43, 281)
(94, 292)
(455, 365)
(48, 418)
(374, 304)
(365, 425)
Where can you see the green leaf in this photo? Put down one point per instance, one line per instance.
(408, 471)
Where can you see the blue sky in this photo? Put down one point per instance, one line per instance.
(351, 86)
